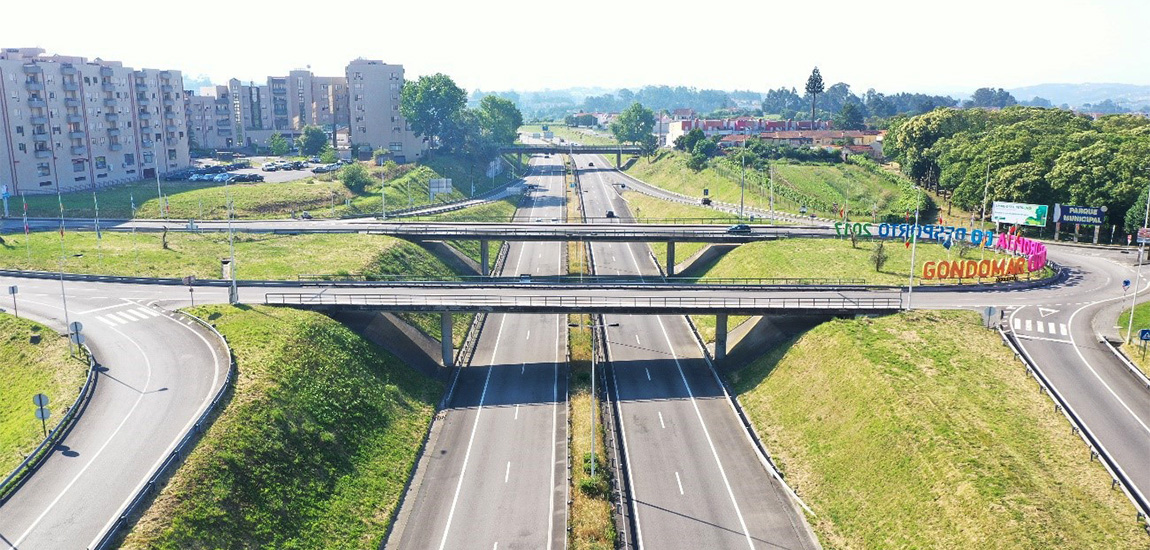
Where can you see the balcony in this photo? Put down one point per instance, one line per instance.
(141, 85)
(169, 102)
(111, 117)
(78, 134)
(71, 87)
(43, 153)
(145, 115)
(33, 85)
(113, 132)
(108, 87)
(172, 141)
(170, 114)
(75, 119)
(143, 101)
(105, 71)
(116, 147)
(165, 74)
(71, 102)
(166, 88)
(146, 143)
(32, 68)
(41, 137)
(39, 120)
(172, 128)
(110, 102)
(37, 103)
(67, 69)
(79, 150)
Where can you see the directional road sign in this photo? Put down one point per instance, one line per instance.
(1144, 334)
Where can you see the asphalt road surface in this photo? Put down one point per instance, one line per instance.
(495, 470)
(696, 481)
(160, 371)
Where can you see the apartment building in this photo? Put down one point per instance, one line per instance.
(68, 123)
(209, 118)
(374, 88)
(285, 104)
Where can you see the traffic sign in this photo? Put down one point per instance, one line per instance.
(40, 400)
(1144, 334)
(77, 338)
(43, 413)
(13, 289)
(1125, 284)
(76, 326)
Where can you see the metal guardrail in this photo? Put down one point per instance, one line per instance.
(1130, 366)
(1141, 504)
(687, 303)
(178, 454)
(44, 449)
(588, 279)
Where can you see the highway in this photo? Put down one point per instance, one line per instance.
(695, 480)
(160, 371)
(494, 474)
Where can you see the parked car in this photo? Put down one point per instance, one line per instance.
(270, 167)
(323, 168)
(314, 160)
(221, 178)
(251, 178)
(740, 228)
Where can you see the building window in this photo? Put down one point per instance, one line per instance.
(101, 163)
(395, 146)
(129, 159)
(20, 130)
(171, 154)
(148, 157)
(42, 169)
(23, 148)
(45, 184)
(77, 166)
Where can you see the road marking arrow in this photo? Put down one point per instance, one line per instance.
(1046, 312)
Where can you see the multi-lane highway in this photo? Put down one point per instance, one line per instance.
(695, 480)
(494, 474)
(159, 371)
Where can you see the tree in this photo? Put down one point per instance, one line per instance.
(312, 140)
(849, 118)
(633, 123)
(648, 145)
(278, 144)
(879, 256)
(499, 119)
(814, 88)
(328, 155)
(430, 104)
(355, 177)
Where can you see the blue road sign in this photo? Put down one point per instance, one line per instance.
(1125, 284)
(1144, 334)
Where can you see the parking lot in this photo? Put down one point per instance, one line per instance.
(278, 176)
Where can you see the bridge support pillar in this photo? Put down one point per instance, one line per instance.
(483, 263)
(519, 158)
(619, 159)
(720, 336)
(445, 339)
(671, 259)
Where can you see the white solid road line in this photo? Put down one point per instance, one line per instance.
(680, 482)
(507, 473)
(517, 411)
(471, 440)
(648, 373)
(139, 399)
(661, 420)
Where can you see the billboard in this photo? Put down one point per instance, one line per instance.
(437, 186)
(1018, 213)
(1084, 215)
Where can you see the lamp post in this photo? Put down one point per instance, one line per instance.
(913, 246)
(1138, 277)
(593, 395)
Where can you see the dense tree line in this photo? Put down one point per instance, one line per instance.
(436, 108)
(1028, 154)
(660, 98)
(788, 104)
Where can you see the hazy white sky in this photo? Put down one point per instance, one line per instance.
(891, 45)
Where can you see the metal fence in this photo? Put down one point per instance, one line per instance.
(576, 303)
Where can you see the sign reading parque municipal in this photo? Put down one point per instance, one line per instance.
(1018, 213)
(1032, 253)
(1083, 215)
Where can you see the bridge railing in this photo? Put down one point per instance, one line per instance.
(585, 279)
(567, 233)
(677, 303)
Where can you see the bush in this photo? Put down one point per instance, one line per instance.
(355, 177)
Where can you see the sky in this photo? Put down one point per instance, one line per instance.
(889, 45)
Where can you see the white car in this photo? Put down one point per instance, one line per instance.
(270, 167)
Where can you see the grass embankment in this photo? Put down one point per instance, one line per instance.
(258, 256)
(592, 520)
(33, 359)
(1141, 321)
(406, 185)
(647, 209)
(816, 186)
(923, 431)
(582, 136)
(825, 258)
(313, 449)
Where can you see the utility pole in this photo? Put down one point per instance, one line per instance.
(913, 246)
(1138, 278)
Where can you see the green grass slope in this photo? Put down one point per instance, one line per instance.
(924, 431)
(26, 369)
(313, 449)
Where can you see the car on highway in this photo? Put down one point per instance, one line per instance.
(739, 228)
(305, 215)
(610, 213)
(706, 201)
(591, 164)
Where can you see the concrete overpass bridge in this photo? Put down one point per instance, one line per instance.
(617, 150)
(480, 299)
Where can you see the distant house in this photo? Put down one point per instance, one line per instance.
(738, 125)
(682, 114)
(850, 142)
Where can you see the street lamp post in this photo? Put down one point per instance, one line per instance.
(913, 246)
(593, 395)
(1138, 277)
